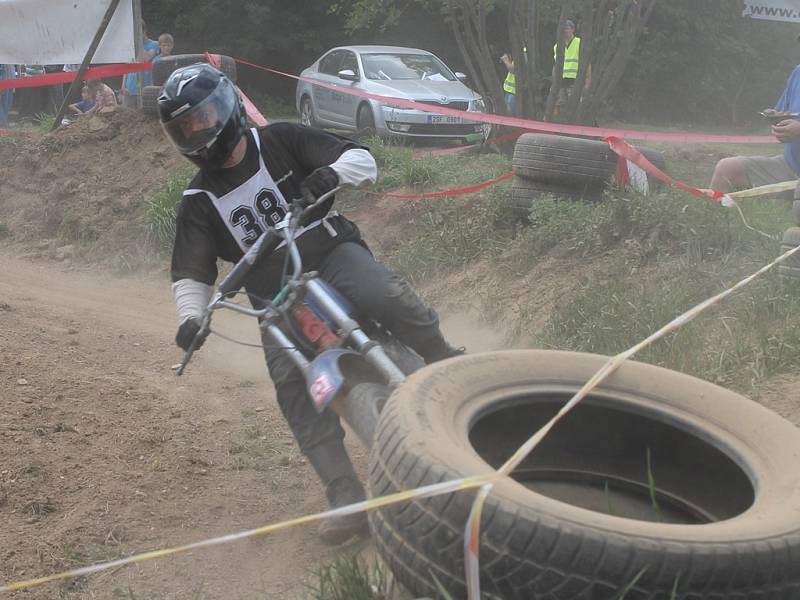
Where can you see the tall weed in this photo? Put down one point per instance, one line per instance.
(160, 212)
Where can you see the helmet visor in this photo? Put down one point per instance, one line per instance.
(196, 128)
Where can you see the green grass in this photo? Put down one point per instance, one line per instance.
(274, 108)
(44, 121)
(160, 211)
(350, 578)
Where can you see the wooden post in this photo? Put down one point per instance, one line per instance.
(112, 7)
(138, 46)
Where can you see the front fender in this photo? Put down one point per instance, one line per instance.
(324, 377)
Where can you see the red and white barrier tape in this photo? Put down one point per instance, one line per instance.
(527, 124)
(67, 76)
(446, 193)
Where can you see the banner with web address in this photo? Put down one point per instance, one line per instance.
(773, 10)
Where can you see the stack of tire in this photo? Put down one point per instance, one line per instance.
(567, 167)
(163, 68)
(791, 239)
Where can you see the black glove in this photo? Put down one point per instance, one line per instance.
(321, 181)
(186, 332)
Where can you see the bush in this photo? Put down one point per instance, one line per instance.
(160, 212)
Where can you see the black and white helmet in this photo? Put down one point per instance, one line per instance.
(202, 114)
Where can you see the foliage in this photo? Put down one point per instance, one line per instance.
(349, 578)
(44, 121)
(160, 212)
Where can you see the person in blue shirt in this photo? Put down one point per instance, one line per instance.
(741, 172)
(85, 105)
(130, 89)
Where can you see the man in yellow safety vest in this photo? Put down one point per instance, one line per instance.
(572, 53)
(510, 85)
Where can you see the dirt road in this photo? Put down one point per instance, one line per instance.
(104, 452)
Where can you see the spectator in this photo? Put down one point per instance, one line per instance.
(569, 73)
(510, 83)
(7, 96)
(165, 45)
(130, 90)
(738, 172)
(86, 104)
(104, 98)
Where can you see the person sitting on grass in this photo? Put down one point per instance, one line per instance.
(103, 96)
(85, 105)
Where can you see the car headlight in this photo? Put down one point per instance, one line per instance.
(478, 105)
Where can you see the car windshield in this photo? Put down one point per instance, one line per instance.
(394, 67)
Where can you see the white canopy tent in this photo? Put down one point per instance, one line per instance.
(45, 32)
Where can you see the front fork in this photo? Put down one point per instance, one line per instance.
(349, 329)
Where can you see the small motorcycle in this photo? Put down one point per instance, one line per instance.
(350, 365)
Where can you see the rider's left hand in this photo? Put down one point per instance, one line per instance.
(320, 182)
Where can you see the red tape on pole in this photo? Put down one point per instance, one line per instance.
(68, 76)
(537, 126)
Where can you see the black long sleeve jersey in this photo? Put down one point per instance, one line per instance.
(290, 152)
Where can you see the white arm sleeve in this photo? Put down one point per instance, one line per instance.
(191, 298)
(356, 167)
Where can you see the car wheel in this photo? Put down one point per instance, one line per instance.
(365, 120)
(659, 484)
(307, 112)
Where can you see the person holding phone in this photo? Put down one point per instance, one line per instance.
(741, 172)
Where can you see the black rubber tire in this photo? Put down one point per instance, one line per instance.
(164, 67)
(525, 192)
(362, 409)
(365, 121)
(560, 159)
(464, 416)
(305, 103)
(568, 160)
(791, 239)
(150, 94)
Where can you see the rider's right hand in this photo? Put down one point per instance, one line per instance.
(187, 332)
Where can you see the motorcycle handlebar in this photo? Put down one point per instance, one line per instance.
(233, 281)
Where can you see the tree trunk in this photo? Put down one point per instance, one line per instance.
(555, 85)
(612, 40)
(468, 20)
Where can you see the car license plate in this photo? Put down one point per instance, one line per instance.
(435, 119)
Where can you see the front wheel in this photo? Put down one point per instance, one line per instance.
(362, 409)
(365, 120)
(307, 113)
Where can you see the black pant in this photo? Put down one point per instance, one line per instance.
(376, 292)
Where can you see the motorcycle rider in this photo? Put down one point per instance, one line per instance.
(246, 182)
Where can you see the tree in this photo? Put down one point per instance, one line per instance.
(609, 31)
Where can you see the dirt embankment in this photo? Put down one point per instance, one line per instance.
(80, 192)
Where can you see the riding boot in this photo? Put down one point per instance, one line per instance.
(342, 487)
(437, 349)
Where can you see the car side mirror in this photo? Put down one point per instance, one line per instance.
(460, 76)
(348, 74)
